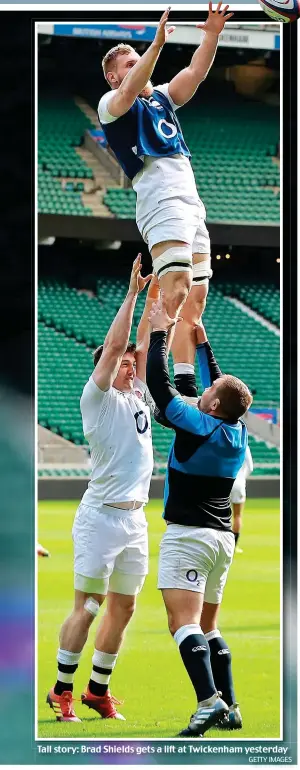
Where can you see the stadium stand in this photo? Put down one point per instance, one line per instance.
(263, 298)
(72, 323)
(61, 125)
(233, 148)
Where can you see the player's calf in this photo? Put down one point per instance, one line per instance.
(73, 634)
(220, 658)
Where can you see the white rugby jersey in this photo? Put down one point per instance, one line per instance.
(118, 428)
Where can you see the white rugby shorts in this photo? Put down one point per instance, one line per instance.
(110, 550)
(195, 559)
(176, 219)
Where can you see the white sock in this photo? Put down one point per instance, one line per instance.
(183, 369)
(69, 659)
(106, 662)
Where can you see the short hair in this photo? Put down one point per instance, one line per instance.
(131, 348)
(112, 55)
(235, 397)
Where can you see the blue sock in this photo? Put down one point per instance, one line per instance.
(194, 651)
(220, 657)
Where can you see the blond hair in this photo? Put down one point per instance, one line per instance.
(112, 55)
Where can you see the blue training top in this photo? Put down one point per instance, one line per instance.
(207, 452)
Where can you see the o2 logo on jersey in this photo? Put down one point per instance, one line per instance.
(168, 130)
(141, 422)
(154, 103)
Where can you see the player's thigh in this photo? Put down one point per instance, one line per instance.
(120, 606)
(172, 264)
(162, 246)
(187, 555)
(131, 564)
(170, 223)
(218, 575)
(98, 538)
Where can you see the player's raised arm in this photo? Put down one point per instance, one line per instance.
(143, 330)
(139, 75)
(184, 85)
(208, 367)
(167, 398)
(117, 338)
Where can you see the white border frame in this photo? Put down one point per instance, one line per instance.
(154, 8)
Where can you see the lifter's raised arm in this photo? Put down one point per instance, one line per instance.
(143, 330)
(168, 400)
(117, 339)
(137, 77)
(208, 367)
(183, 86)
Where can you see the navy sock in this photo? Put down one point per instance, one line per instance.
(194, 651)
(236, 537)
(186, 384)
(220, 657)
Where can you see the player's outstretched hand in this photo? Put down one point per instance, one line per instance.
(215, 21)
(163, 32)
(154, 289)
(137, 282)
(158, 318)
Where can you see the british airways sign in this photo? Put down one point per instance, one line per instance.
(108, 31)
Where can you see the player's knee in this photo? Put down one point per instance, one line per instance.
(181, 291)
(128, 609)
(177, 293)
(197, 303)
(85, 612)
(83, 619)
(177, 620)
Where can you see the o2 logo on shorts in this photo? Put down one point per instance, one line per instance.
(141, 422)
(171, 129)
(192, 576)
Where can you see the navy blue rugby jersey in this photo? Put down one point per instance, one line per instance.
(150, 127)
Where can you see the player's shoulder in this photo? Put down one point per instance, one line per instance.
(92, 392)
(163, 90)
(104, 98)
(103, 108)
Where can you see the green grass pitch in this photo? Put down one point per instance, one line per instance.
(149, 677)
